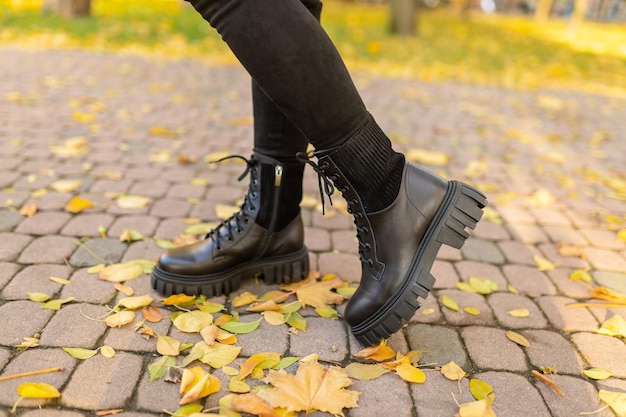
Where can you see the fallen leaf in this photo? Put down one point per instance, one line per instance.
(121, 272)
(316, 293)
(135, 303)
(482, 391)
(29, 210)
(615, 400)
(614, 326)
(549, 382)
(107, 351)
(163, 131)
(61, 281)
(569, 250)
(152, 314)
(410, 373)
(365, 372)
(179, 300)
(378, 353)
(168, 346)
(158, 368)
(519, 312)
(71, 147)
(517, 338)
(132, 202)
(38, 297)
(449, 303)
(453, 372)
(37, 390)
(581, 275)
(472, 311)
(312, 388)
(483, 286)
(197, 383)
(252, 404)
(597, 373)
(427, 157)
(479, 408)
(209, 334)
(131, 235)
(275, 318)
(243, 299)
(541, 198)
(544, 264)
(327, 312)
(621, 235)
(125, 289)
(607, 294)
(78, 204)
(120, 319)
(240, 327)
(218, 354)
(238, 386)
(80, 353)
(66, 186)
(57, 304)
(193, 321)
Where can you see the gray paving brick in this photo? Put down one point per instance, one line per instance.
(9, 219)
(549, 348)
(88, 288)
(445, 275)
(467, 300)
(606, 260)
(37, 318)
(5, 354)
(600, 351)
(107, 249)
(144, 224)
(344, 241)
(614, 280)
(550, 251)
(145, 249)
(52, 412)
(482, 251)
(489, 348)
(327, 337)
(103, 383)
(52, 201)
(515, 214)
(35, 278)
(127, 339)
(87, 224)
(110, 186)
(31, 360)
(429, 311)
(550, 216)
(83, 319)
(566, 286)
(502, 303)
(434, 397)
(564, 234)
(469, 269)
(515, 396)
(186, 191)
(376, 401)
(48, 249)
(159, 395)
(527, 233)
(580, 397)
(170, 208)
(150, 188)
(12, 245)
(13, 199)
(567, 319)
(528, 280)
(7, 271)
(344, 265)
(43, 223)
(439, 344)
(490, 231)
(603, 238)
(266, 338)
(317, 240)
(517, 252)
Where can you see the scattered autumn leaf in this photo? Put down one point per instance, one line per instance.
(107, 351)
(71, 147)
(614, 326)
(132, 202)
(410, 373)
(168, 346)
(29, 210)
(449, 303)
(216, 355)
(193, 321)
(597, 373)
(378, 353)
(365, 372)
(482, 391)
(453, 372)
(549, 382)
(121, 272)
(544, 264)
(38, 297)
(252, 404)
(479, 408)
(519, 312)
(472, 311)
(569, 250)
(78, 204)
(37, 390)
(120, 319)
(80, 353)
(152, 314)
(541, 198)
(240, 327)
(197, 383)
(66, 186)
(483, 286)
(57, 304)
(615, 400)
(136, 302)
(517, 338)
(125, 289)
(243, 299)
(316, 293)
(581, 275)
(58, 280)
(312, 388)
(158, 368)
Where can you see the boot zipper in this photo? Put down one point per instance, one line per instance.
(278, 175)
(278, 179)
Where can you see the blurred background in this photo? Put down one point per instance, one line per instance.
(571, 44)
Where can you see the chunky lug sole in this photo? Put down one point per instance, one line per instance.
(282, 269)
(462, 207)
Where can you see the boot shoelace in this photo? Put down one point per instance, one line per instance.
(325, 184)
(236, 219)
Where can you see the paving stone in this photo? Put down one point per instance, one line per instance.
(445, 275)
(159, 394)
(449, 253)
(516, 215)
(43, 223)
(528, 280)
(566, 319)
(549, 216)
(344, 265)
(52, 201)
(482, 251)
(144, 224)
(334, 221)
(127, 339)
(490, 231)
(9, 219)
(110, 186)
(186, 191)
(35, 278)
(439, 344)
(13, 199)
(467, 300)
(34, 359)
(429, 311)
(612, 384)
(87, 224)
(527, 233)
(549, 348)
(550, 251)
(489, 348)
(580, 397)
(614, 280)
(107, 249)
(502, 303)
(515, 396)
(52, 413)
(344, 241)
(150, 188)
(170, 208)
(85, 331)
(566, 286)
(5, 355)
(266, 338)
(103, 383)
(134, 414)
(327, 337)
(564, 234)
(12, 245)
(376, 401)
(37, 318)
(7, 271)
(434, 399)
(88, 288)
(518, 252)
(48, 249)
(603, 238)
(600, 351)
(606, 260)
(317, 240)
(469, 269)
(145, 249)
(170, 228)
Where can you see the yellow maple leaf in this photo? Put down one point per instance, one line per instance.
(316, 293)
(312, 388)
(197, 383)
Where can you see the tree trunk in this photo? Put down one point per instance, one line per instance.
(578, 17)
(68, 8)
(403, 17)
(542, 12)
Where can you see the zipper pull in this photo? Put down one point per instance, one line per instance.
(278, 175)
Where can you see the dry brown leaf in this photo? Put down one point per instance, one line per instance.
(517, 338)
(312, 388)
(152, 314)
(209, 334)
(311, 292)
(252, 404)
(125, 289)
(29, 210)
(568, 250)
(607, 294)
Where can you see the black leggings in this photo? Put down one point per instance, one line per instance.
(296, 72)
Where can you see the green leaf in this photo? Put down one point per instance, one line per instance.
(193, 355)
(296, 321)
(327, 312)
(158, 368)
(291, 307)
(38, 297)
(597, 373)
(482, 391)
(107, 351)
(187, 410)
(210, 307)
(286, 362)
(80, 353)
(56, 304)
(237, 327)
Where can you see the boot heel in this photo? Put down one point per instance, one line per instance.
(466, 211)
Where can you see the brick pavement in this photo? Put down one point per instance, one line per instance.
(570, 147)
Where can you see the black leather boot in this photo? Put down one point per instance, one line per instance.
(264, 238)
(398, 244)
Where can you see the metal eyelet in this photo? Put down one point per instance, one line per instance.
(370, 262)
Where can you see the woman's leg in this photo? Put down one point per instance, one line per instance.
(403, 213)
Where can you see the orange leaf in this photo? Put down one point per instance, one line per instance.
(378, 353)
(152, 314)
(77, 204)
